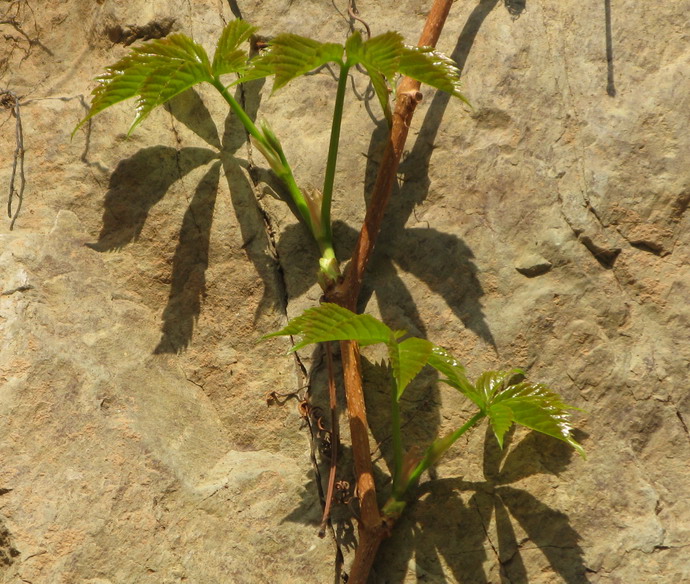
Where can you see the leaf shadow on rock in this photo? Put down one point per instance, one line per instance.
(141, 181)
(180, 316)
(443, 261)
(190, 261)
(450, 523)
(243, 177)
(137, 184)
(190, 110)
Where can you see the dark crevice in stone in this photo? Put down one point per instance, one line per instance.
(682, 423)
(128, 34)
(650, 247)
(605, 256)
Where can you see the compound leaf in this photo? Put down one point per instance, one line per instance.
(330, 322)
(506, 399)
(535, 406)
(229, 58)
(154, 73)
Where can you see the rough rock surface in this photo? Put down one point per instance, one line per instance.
(546, 228)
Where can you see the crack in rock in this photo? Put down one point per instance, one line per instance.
(682, 422)
(128, 34)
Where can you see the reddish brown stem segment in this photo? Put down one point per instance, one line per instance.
(335, 440)
(347, 292)
(366, 491)
(372, 528)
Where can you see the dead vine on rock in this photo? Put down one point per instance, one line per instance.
(13, 18)
(10, 100)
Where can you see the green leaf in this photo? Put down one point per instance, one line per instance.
(380, 56)
(177, 63)
(448, 365)
(535, 406)
(154, 73)
(289, 56)
(505, 398)
(501, 419)
(407, 359)
(380, 53)
(330, 322)
(120, 82)
(490, 383)
(228, 58)
(431, 68)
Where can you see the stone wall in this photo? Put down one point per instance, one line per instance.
(545, 228)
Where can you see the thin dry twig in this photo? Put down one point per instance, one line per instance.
(335, 438)
(14, 21)
(354, 14)
(10, 100)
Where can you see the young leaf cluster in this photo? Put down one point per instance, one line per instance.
(504, 397)
(383, 57)
(155, 72)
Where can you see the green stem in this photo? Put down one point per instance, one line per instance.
(238, 110)
(396, 438)
(284, 171)
(329, 179)
(439, 447)
(396, 503)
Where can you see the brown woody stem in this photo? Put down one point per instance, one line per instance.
(408, 96)
(373, 529)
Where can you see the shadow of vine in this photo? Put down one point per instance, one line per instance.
(462, 524)
(140, 182)
(446, 528)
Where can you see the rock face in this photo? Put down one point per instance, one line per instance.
(546, 228)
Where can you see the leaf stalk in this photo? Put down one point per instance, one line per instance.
(440, 447)
(269, 145)
(396, 503)
(396, 438)
(332, 160)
